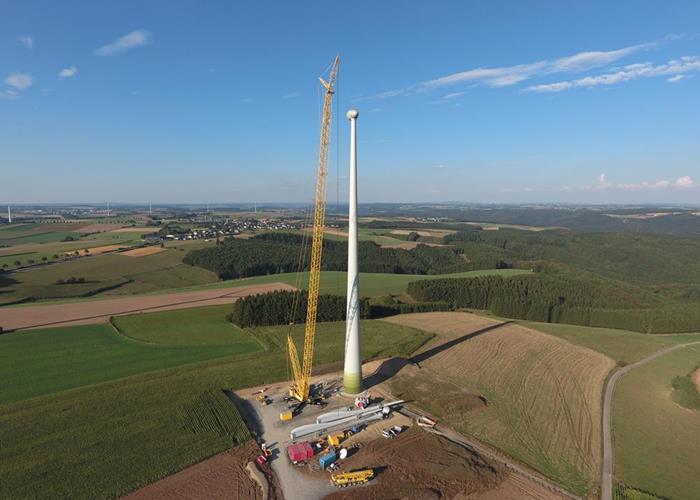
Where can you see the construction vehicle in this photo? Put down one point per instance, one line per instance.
(263, 399)
(392, 432)
(335, 439)
(301, 370)
(345, 479)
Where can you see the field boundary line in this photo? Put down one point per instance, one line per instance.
(608, 451)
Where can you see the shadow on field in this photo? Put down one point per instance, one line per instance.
(391, 367)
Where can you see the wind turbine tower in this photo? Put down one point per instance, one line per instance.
(352, 375)
(9, 215)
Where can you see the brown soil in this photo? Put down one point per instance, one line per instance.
(695, 377)
(436, 233)
(515, 487)
(142, 252)
(134, 229)
(418, 464)
(98, 250)
(222, 476)
(99, 311)
(94, 228)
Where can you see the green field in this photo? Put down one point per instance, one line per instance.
(197, 326)
(657, 441)
(621, 345)
(371, 284)
(106, 439)
(152, 282)
(115, 274)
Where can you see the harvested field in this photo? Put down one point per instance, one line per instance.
(134, 229)
(410, 245)
(542, 394)
(222, 476)
(99, 311)
(434, 233)
(95, 228)
(142, 252)
(516, 487)
(99, 250)
(418, 464)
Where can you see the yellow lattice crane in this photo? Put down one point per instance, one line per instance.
(302, 372)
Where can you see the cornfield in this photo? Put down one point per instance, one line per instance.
(213, 412)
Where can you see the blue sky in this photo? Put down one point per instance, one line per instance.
(467, 101)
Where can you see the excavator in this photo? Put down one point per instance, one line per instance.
(301, 369)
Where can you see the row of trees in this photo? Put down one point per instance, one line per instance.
(274, 253)
(283, 307)
(552, 299)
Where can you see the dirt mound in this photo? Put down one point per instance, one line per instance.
(418, 464)
(144, 251)
(221, 476)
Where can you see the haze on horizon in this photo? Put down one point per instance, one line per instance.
(504, 103)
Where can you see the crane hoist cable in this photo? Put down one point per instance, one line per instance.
(302, 368)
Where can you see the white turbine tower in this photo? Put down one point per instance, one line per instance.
(9, 215)
(352, 375)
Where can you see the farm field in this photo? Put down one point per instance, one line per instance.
(55, 445)
(656, 441)
(531, 395)
(100, 311)
(112, 274)
(621, 345)
(371, 284)
(198, 326)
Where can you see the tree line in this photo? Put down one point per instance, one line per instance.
(273, 253)
(283, 307)
(553, 299)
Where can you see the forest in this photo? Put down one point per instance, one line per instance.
(273, 253)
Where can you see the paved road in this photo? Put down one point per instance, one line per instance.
(606, 486)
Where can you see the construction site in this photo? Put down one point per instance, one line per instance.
(325, 436)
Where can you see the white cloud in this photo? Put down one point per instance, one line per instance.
(68, 72)
(684, 182)
(675, 67)
(675, 79)
(291, 95)
(131, 40)
(26, 40)
(20, 81)
(453, 95)
(439, 167)
(603, 182)
(510, 75)
(9, 94)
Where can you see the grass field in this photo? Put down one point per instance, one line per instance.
(371, 284)
(544, 394)
(118, 274)
(657, 441)
(198, 326)
(106, 439)
(622, 345)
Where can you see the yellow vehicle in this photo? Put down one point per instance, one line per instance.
(351, 478)
(335, 439)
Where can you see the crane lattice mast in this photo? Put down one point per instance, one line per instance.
(302, 374)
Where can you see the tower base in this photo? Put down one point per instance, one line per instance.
(352, 383)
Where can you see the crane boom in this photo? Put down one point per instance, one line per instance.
(302, 374)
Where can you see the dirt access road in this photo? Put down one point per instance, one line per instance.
(99, 311)
(607, 482)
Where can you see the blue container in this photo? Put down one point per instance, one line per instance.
(355, 429)
(327, 459)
